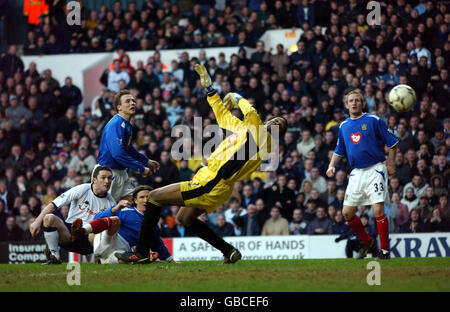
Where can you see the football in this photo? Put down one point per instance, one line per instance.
(402, 98)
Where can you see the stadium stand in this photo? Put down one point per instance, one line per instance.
(46, 148)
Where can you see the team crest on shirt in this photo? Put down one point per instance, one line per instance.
(364, 127)
(355, 137)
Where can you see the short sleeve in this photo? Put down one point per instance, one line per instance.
(386, 134)
(67, 197)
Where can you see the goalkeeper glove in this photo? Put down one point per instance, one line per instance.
(205, 79)
(231, 100)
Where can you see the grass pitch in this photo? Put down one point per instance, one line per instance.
(398, 274)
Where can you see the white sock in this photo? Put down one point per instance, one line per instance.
(88, 228)
(52, 239)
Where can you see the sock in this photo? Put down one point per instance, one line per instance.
(205, 233)
(99, 225)
(356, 225)
(383, 231)
(149, 223)
(88, 228)
(52, 238)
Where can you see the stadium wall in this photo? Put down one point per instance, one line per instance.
(25, 252)
(256, 248)
(286, 37)
(423, 245)
(308, 247)
(86, 69)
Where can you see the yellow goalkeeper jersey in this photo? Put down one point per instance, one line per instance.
(234, 159)
(243, 151)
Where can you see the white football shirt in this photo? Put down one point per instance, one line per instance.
(84, 204)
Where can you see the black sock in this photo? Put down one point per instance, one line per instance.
(149, 224)
(205, 233)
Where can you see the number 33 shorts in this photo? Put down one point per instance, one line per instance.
(367, 186)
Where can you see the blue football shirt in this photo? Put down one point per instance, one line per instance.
(362, 140)
(130, 226)
(116, 150)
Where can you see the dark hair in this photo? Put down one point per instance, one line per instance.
(118, 96)
(418, 212)
(98, 169)
(233, 200)
(283, 129)
(141, 188)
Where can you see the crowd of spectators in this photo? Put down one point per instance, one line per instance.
(47, 148)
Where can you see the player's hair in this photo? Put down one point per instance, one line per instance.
(141, 188)
(98, 169)
(118, 96)
(282, 130)
(354, 91)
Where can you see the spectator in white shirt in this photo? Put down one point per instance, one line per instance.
(115, 76)
(421, 51)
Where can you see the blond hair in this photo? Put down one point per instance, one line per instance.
(355, 91)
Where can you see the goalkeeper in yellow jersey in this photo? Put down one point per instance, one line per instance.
(233, 160)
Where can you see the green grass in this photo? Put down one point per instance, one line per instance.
(398, 274)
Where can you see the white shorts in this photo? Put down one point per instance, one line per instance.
(121, 185)
(367, 186)
(105, 246)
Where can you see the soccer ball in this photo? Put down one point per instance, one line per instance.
(402, 98)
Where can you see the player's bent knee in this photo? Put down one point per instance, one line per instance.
(115, 221)
(348, 214)
(48, 220)
(180, 218)
(115, 226)
(154, 195)
(183, 220)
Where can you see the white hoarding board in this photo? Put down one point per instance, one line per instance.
(251, 247)
(309, 247)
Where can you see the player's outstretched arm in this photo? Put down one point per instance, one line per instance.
(235, 100)
(35, 227)
(223, 115)
(331, 168)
